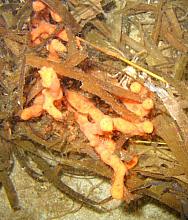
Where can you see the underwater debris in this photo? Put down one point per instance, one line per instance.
(83, 105)
(101, 123)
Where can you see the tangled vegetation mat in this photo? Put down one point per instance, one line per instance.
(96, 89)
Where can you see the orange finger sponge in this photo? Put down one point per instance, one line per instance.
(132, 129)
(55, 16)
(54, 48)
(31, 112)
(84, 105)
(106, 124)
(45, 101)
(90, 130)
(44, 29)
(49, 106)
(97, 127)
(63, 36)
(35, 110)
(38, 6)
(50, 79)
(52, 93)
(140, 109)
(105, 147)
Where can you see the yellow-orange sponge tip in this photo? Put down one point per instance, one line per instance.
(106, 124)
(148, 127)
(30, 112)
(135, 87)
(47, 74)
(38, 6)
(148, 104)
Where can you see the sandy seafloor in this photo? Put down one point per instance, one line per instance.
(42, 201)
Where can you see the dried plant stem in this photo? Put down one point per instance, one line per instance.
(157, 26)
(111, 53)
